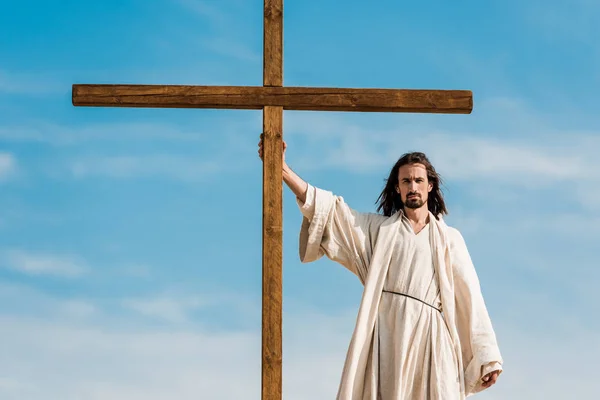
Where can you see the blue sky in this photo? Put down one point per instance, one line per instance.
(131, 238)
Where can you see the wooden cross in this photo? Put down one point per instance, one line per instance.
(273, 98)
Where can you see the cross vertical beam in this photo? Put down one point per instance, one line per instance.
(272, 206)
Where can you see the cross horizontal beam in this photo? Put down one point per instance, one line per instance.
(290, 98)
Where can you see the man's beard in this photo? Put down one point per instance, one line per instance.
(414, 202)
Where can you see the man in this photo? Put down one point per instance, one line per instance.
(423, 331)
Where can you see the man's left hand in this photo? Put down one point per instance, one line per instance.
(490, 379)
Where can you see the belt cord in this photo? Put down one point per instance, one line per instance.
(414, 298)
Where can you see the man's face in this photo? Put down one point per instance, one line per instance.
(413, 185)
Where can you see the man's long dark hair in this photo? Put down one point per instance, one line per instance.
(389, 201)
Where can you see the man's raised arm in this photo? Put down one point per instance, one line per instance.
(295, 183)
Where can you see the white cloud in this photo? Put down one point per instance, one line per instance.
(231, 48)
(70, 361)
(457, 155)
(589, 193)
(519, 162)
(205, 10)
(563, 361)
(30, 263)
(135, 270)
(77, 308)
(174, 310)
(210, 158)
(155, 166)
(525, 157)
(53, 357)
(8, 166)
(226, 38)
(58, 135)
(27, 302)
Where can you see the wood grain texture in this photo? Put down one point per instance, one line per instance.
(272, 253)
(272, 341)
(290, 98)
(273, 43)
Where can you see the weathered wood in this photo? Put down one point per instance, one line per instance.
(272, 254)
(273, 43)
(272, 331)
(290, 98)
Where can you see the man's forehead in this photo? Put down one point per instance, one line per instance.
(412, 170)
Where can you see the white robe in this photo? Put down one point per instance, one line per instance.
(364, 243)
(416, 356)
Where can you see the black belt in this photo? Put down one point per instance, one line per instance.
(414, 298)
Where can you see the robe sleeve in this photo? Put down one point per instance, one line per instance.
(331, 228)
(480, 352)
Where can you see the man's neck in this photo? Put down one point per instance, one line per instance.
(419, 216)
